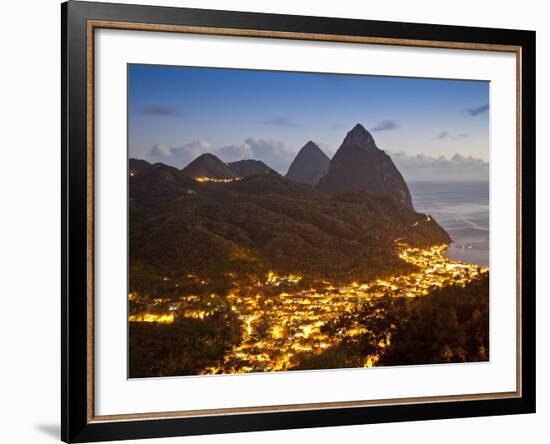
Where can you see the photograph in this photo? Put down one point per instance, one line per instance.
(287, 221)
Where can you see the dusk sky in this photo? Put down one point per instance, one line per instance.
(177, 113)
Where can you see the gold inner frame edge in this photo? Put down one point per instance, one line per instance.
(92, 25)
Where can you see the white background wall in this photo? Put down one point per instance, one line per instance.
(30, 209)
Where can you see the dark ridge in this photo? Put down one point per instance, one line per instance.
(155, 184)
(208, 165)
(249, 167)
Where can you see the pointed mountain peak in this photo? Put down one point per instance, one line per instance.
(359, 136)
(359, 165)
(311, 145)
(311, 151)
(359, 128)
(309, 165)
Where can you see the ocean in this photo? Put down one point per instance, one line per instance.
(462, 209)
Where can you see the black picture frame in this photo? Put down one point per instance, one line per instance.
(76, 424)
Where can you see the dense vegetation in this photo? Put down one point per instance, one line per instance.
(450, 324)
(260, 223)
(201, 238)
(184, 347)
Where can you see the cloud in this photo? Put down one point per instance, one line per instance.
(385, 125)
(274, 153)
(279, 121)
(157, 110)
(446, 135)
(231, 153)
(428, 168)
(459, 159)
(177, 156)
(262, 147)
(474, 111)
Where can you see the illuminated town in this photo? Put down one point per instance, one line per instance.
(290, 321)
(216, 180)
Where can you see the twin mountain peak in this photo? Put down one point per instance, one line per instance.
(358, 165)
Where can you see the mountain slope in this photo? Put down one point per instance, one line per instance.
(156, 184)
(309, 165)
(249, 167)
(267, 223)
(360, 165)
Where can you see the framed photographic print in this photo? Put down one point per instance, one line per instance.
(275, 221)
